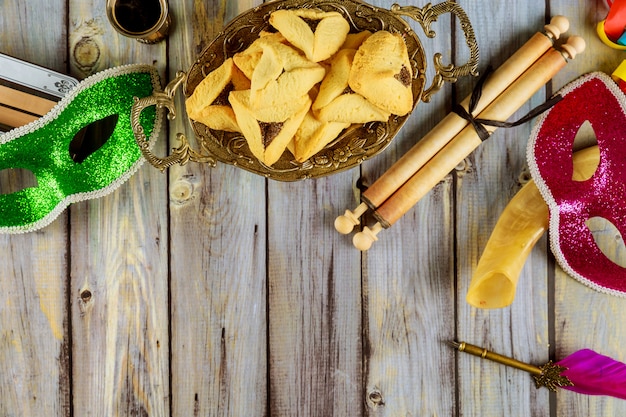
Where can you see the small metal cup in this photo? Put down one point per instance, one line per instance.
(147, 21)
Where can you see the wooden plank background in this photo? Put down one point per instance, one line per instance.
(215, 292)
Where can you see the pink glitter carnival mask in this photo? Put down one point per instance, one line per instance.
(593, 98)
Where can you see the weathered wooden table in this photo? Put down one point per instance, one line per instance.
(213, 291)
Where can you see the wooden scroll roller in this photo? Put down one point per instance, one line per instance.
(453, 153)
(452, 124)
(18, 108)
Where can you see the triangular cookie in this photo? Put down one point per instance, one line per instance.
(218, 118)
(381, 72)
(313, 135)
(296, 75)
(335, 102)
(248, 59)
(209, 104)
(318, 44)
(267, 140)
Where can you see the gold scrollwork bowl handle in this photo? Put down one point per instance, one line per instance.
(425, 16)
(183, 153)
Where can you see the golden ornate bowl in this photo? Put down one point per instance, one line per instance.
(355, 144)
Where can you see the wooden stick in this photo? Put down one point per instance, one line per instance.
(452, 124)
(13, 118)
(467, 140)
(24, 101)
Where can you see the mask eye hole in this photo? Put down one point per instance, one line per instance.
(13, 180)
(91, 138)
(609, 239)
(586, 137)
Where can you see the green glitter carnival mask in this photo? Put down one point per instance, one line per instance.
(46, 147)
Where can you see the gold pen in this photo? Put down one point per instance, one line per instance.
(548, 375)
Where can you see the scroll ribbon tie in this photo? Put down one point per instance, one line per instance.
(479, 123)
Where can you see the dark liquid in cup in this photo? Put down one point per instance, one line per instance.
(137, 16)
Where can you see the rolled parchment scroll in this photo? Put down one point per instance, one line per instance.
(466, 141)
(452, 124)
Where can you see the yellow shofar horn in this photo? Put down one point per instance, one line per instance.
(523, 221)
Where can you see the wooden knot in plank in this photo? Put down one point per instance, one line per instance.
(85, 300)
(183, 190)
(87, 46)
(375, 398)
(86, 54)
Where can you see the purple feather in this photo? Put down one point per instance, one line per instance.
(595, 374)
